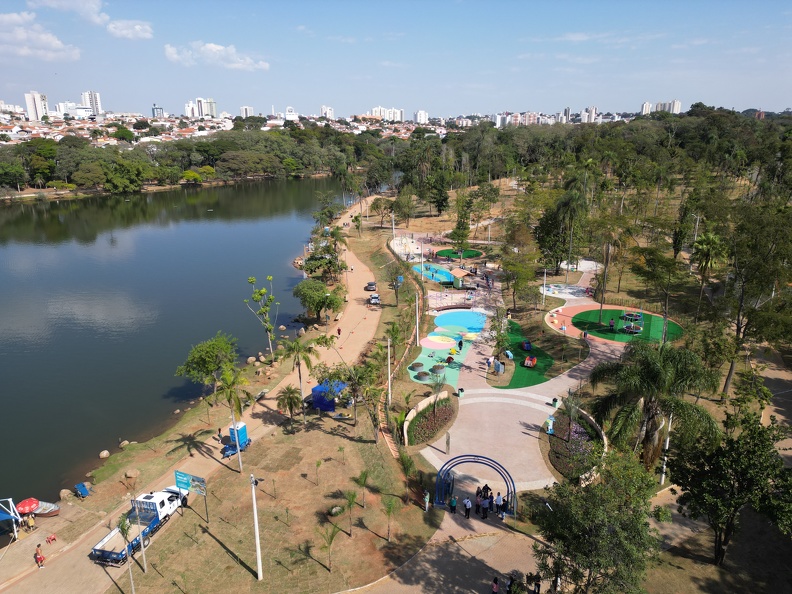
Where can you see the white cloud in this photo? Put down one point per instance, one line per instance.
(342, 39)
(130, 29)
(90, 10)
(573, 59)
(581, 37)
(21, 36)
(225, 56)
(389, 64)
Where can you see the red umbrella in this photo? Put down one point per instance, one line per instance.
(27, 506)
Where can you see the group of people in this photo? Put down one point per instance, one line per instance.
(534, 584)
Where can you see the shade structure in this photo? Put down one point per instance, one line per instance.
(27, 506)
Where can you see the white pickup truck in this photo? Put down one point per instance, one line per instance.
(150, 512)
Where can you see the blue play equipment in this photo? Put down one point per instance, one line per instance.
(324, 394)
(81, 490)
(444, 486)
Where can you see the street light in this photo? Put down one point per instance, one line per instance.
(253, 484)
(327, 315)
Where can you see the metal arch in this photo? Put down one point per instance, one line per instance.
(442, 484)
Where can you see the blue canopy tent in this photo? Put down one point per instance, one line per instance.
(325, 393)
(9, 517)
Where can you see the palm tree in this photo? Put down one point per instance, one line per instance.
(231, 382)
(362, 480)
(124, 526)
(328, 535)
(289, 398)
(708, 251)
(571, 207)
(650, 383)
(351, 497)
(389, 507)
(301, 353)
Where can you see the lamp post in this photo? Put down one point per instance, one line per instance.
(544, 287)
(389, 372)
(253, 483)
(327, 315)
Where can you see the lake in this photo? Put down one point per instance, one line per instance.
(102, 298)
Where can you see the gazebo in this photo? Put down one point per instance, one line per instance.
(459, 274)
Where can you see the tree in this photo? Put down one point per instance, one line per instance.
(12, 174)
(351, 498)
(598, 537)
(231, 382)
(301, 353)
(192, 177)
(389, 506)
(745, 470)
(290, 398)
(315, 297)
(328, 535)
(264, 299)
(89, 175)
(206, 361)
(648, 383)
(659, 271)
(381, 207)
(570, 209)
(124, 527)
(404, 206)
(362, 480)
(708, 252)
(123, 133)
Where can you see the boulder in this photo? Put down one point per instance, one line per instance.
(132, 473)
(176, 412)
(301, 332)
(65, 495)
(250, 360)
(262, 358)
(281, 327)
(256, 363)
(123, 443)
(280, 347)
(104, 454)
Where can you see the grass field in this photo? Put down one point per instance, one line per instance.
(526, 376)
(588, 321)
(454, 254)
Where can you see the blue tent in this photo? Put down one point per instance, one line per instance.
(325, 393)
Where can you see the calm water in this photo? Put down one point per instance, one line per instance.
(101, 300)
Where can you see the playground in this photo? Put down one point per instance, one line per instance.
(627, 325)
(450, 253)
(541, 362)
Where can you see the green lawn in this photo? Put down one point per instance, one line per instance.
(526, 376)
(454, 254)
(588, 321)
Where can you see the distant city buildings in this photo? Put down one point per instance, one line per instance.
(421, 117)
(201, 108)
(391, 114)
(327, 112)
(157, 112)
(93, 100)
(37, 106)
(646, 108)
(674, 106)
(246, 111)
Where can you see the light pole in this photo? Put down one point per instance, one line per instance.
(544, 287)
(417, 320)
(327, 315)
(389, 372)
(253, 483)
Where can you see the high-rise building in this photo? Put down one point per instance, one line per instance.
(392, 114)
(93, 100)
(592, 111)
(646, 108)
(421, 117)
(210, 108)
(246, 111)
(37, 106)
(676, 106)
(157, 112)
(584, 117)
(327, 112)
(568, 114)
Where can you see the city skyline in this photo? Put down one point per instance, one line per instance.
(446, 61)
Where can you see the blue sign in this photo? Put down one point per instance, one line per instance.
(188, 482)
(400, 279)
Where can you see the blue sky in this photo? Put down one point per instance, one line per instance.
(446, 57)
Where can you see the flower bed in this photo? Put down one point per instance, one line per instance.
(571, 456)
(426, 424)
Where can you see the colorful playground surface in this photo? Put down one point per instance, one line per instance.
(449, 253)
(627, 325)
(435, 273)
(443, 343)
(526, 376)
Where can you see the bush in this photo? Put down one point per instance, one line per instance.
(426, 424)
(61, 185)
(407, 463)
(571, 458)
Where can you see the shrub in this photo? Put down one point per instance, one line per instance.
(407, 463)
(426, 424)
(571, 457)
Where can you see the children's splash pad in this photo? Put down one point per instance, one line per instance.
(440, 353)
(435, 273)
(627, 325)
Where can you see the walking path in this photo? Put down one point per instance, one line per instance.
(68, 568)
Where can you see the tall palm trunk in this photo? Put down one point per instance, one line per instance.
(569, 258)
(302, 397)
(236, 437)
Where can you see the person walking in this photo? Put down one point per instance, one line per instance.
(468, 504)
(426, 500)
(339, 331)
(484, 508)
(495, 586)
(478, 503)
(39, 556)
(612, 324)
(492, 501)
(452, 504)
(498, 503)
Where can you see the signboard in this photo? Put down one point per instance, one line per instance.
(188, 482)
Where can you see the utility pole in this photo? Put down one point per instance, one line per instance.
(140, 535)
(389, 372)
(417, 321)
(253, 483)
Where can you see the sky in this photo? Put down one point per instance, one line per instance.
(445, 57)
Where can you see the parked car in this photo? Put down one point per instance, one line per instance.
(372, 286)
(374, 299)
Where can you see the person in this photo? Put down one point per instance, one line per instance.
(478, 503)
(468, 504)
(492, 501)
(485, 491)
(39, 556)
(219, 434)
(339, 331)
(31, 522)
(351, 269)
(498, 503)
(460, 344)
(489, 363)
(612, 324)
(426, 500)
(495, 586)
(510, 584)
(453, 504)
(484, 507)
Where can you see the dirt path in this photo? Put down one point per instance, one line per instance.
(68, 568)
